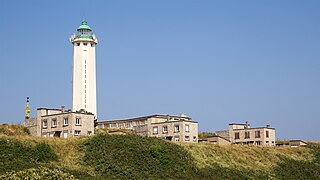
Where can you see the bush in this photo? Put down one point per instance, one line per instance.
(137, 157)
(159, 152)
(37, 174)
(299, 169)
(42, 152)
(14, 155)
(13, 130)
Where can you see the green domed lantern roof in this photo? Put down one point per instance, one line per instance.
(84, 25)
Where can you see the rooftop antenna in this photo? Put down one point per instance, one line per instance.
(84, 17)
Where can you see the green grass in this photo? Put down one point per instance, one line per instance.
(135, 157)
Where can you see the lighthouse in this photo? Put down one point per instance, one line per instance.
(84, 70)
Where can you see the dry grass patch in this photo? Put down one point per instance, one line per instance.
(244, 157)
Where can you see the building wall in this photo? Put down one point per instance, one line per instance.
(252, 139)
(297, 143)
(224, 133)
(247, 135)
(44, 112)
(86, 126)
(36, 125)
(84, 76)
(31, 125)
(182, 135)
(145, 126)
(218, 140)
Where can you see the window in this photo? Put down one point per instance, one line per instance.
(257, 134)
(258, 142)
(237, 135)
(65, 134)
(194, 138)
(77, 133)
(165, 129)
(187, 128)
(246, 135)
(78, 44)
(77, 121)
(89, 133)
(45, 124)
(187, 138)
(155, 130)
(85, 44)
(176, 138)
(65, 122)
(113, 125)
(176, 128)
(54, 122)
(267, 134)
(128, 124)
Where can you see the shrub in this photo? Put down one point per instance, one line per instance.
(14, 155)
(13, 130)
(37, 174)
(300, 169)
(137, 157)
(42, 152)
(159, 152)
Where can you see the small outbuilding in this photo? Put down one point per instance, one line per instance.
(218, 140)
(297, 143)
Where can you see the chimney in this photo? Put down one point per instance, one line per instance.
(247, 125)
(62, 108)
(268, 126)
(183, 115)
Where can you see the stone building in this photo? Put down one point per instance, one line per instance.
(244, 134)
(60, 123)
(218, 140)
(297, 143)
(172, 128)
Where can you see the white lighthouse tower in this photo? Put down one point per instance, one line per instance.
(84, 70)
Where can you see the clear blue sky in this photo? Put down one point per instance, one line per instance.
(217, 61)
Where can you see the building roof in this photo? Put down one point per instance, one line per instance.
(219, 137)
(237, 124)
(175, 121)
(145, 117)
(255, 128)
(84, 25)
(297, 140)
(62, 113)
(43, 108)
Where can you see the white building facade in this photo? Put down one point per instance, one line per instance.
(173, 128)
(84, 70)
(244, 134)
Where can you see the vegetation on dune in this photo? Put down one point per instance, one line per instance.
(137, 157)
(244, 157)
(290, 168)
(205, 135)
(114, 131)
(37, 174)
(15, 156)
(106, 156)
(13, 130)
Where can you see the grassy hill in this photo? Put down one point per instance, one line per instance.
(135, 157)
